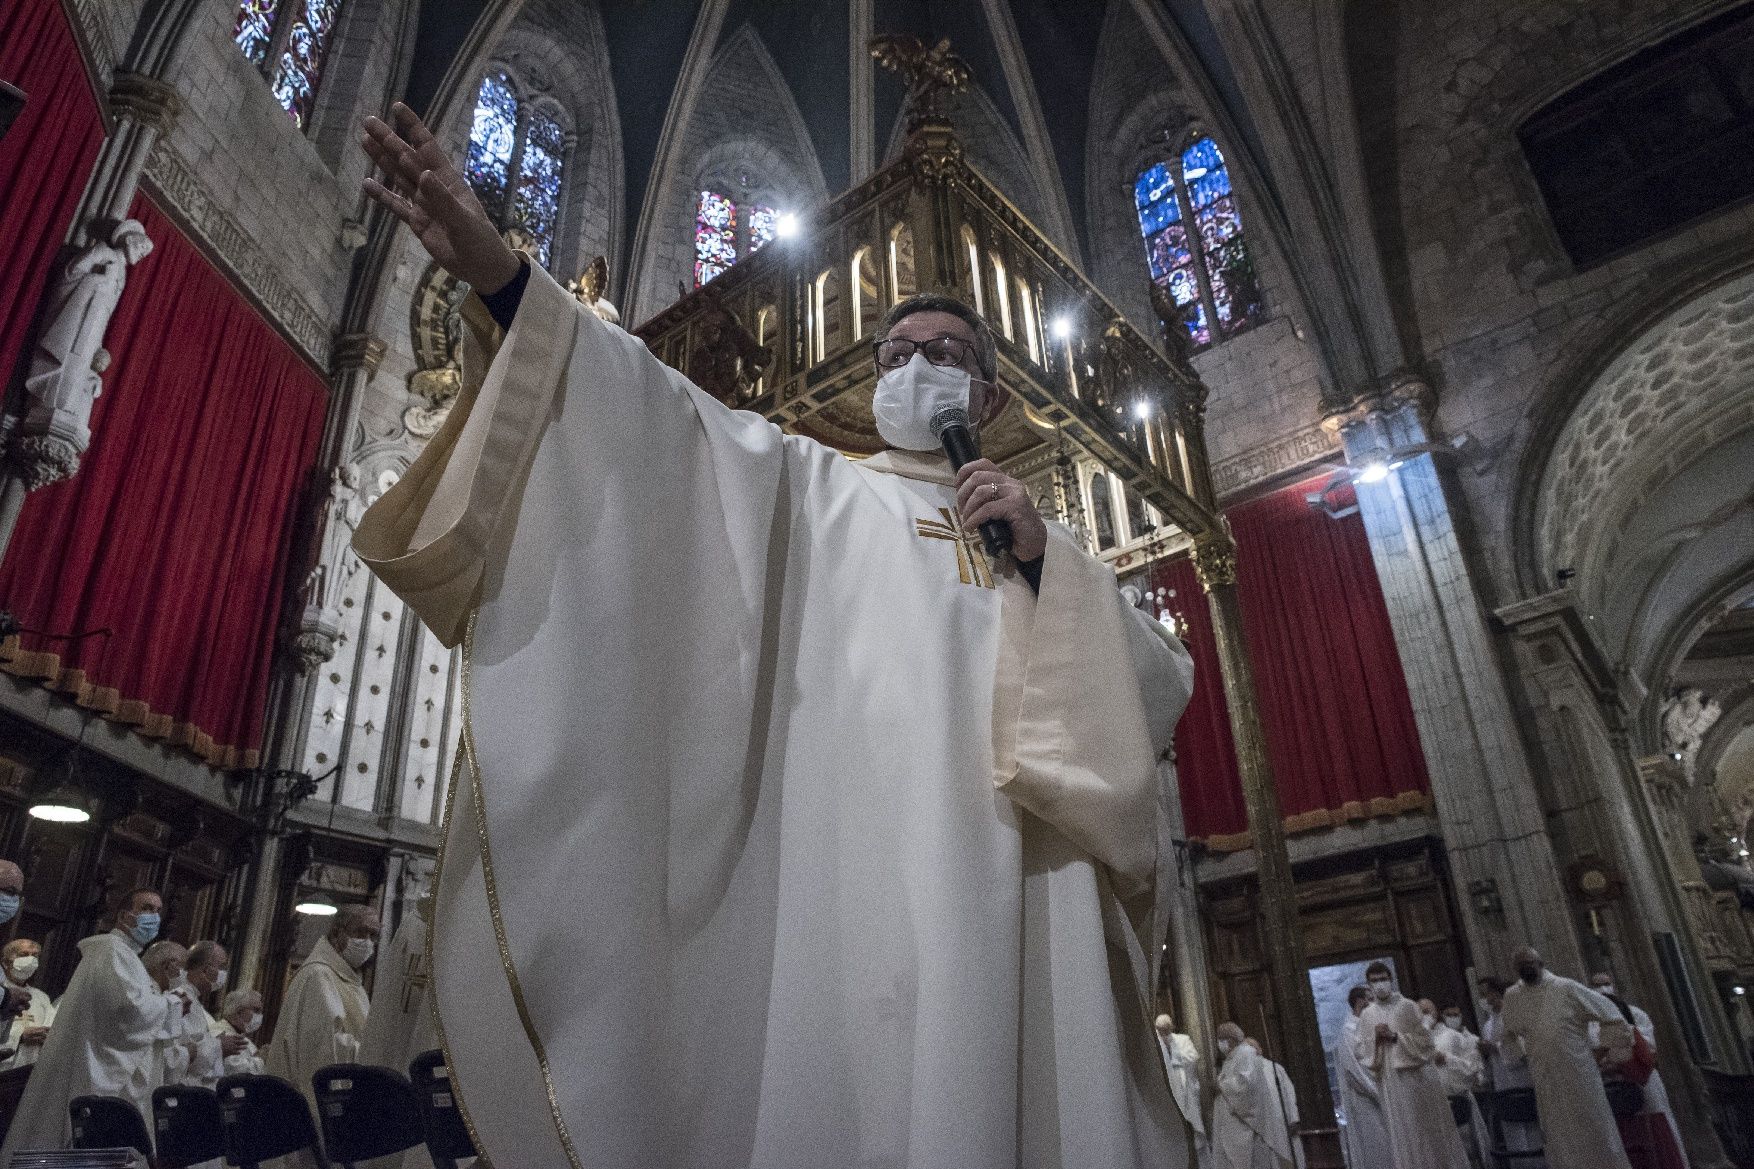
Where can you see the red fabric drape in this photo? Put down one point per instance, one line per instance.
(1332, 697)
(175, 531)
(45, 158)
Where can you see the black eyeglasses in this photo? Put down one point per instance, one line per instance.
(895, 352)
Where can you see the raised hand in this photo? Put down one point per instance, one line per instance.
(423, 189)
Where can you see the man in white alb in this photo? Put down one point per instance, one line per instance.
(1250, 1128)
(1181, 1060)
(1552, 1017)
(1656, 1096)
(1365, 1138)
(791, 829)
(103, 1041)
(240, 1017)
(323, 1016)
(1395, 1045)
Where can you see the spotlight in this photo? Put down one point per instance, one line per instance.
(787, 225)
(1374, 473)
(1061, 328)
(1739, 990)
(317, 906)
(1142, 410)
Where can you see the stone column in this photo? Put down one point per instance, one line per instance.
(1507, 877)
(1300, 1040)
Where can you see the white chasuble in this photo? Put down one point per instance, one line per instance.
(102, 1044)
(321, 1020)
(788, 831)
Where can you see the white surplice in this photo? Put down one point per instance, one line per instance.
(1422, 1130)
(247, 1062)
(40, 1013)
(1366, 1136)
(1656, 1096)
(787, 830)
(1462, 1070)
(192, 1055)
(321, 1019)
(1250, 1129)
(102, 1043)
(1552, 1017)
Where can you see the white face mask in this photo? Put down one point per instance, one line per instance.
(358, 951)
(1608, 989)
(1453, 1022)
(23, 968)
(1381, 989)
(219, 981)
(908, 398)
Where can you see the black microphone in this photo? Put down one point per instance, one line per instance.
(950, 425)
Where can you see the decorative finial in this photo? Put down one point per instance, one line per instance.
(931, 74)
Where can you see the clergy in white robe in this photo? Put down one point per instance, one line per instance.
(1287, 1102)
(1463, 1069)
(1396, 1046)
(1656, 1096)
(1365, 1137)
(323, 1016)
(197, 1058)
(790, 829)
(1552, 1017)
(400, 1026)
(19, 959)
(103, 1040)
(1250, 1129)
(241, 1016)
(1181, 1060)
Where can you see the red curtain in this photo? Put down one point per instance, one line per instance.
(176, 530)
(45, 158)
(1332, 698)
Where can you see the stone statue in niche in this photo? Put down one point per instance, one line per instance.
(319, 629)
(68, 360)
(1687, 715)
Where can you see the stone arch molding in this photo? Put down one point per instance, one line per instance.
(743, 121)
(1637, 495)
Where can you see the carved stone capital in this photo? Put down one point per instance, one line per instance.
(1215, 562)
(146, 100)
(315, 639)
(42, 459)
(356, 351)
(1395, 414)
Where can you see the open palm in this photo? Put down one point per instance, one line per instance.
(423, 188)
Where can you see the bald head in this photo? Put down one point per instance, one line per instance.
(11, 878)
(1528, 964)
(164, 961)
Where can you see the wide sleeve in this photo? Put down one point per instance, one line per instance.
(1615, 1033)
(1088, 694)
(1365, 1047)
(1236, 1082)
(430, 536)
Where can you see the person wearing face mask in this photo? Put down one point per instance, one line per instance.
(1365, 1137)
(240, 1018)
(1250, 1129)
(20, 958)
(1181, 1059)
(326, 1007)
(15, 1001)
(197, 1056)
(1398, 1049)
(1656, 1096)
(1552, 1016)
(1462, 1069)
(107, 1026)
(872, 814)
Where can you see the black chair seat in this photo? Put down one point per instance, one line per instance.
(265, 1117)
(447, 1137)
(108, 1122)
(366, 1112)
(188, 1126)
(1460, 1110)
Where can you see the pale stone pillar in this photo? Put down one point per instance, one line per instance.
(1502, 859)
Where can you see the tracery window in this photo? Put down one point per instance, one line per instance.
(290, 40)
(517, 161)
(1207, 272)
(726, 230)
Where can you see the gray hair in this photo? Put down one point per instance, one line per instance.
(236, 1000)
(986, 349)
(204, 953)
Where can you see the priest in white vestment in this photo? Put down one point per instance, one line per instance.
(1552, 1017)
(1365, 1137)
(401, 1026)
(323, 1015)
(1287, 1098)
(1250, 1129)
(201, 1053)
(1656, 1096)
(20, 958)
(1462, 1069)
(240, 1017)
(1397, 1047)
(790, 829)
(1181, 1060)
(104, 1035)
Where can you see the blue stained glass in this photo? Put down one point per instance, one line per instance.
(764, 224)
(1168, 250)
(254, 28)
(715, 236)
(301, 65)
(1209, 187)
(1201, 157)
(536, 205)
(492, 137)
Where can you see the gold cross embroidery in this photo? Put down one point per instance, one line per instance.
(414, 981)
(971, 558)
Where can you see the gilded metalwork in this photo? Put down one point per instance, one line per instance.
(971, 558)
(1215, 563)
(932, 75)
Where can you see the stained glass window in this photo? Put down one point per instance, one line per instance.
(715, 236)
(301, 61)
(1208, 273)
(517, 162)
(764, 224)
(254, 28)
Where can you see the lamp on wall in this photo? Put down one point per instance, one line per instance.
(317, 905)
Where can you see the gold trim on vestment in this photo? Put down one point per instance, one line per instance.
(438, 1020)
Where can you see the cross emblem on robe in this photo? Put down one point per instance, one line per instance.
(414, 980)
(971, 558)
